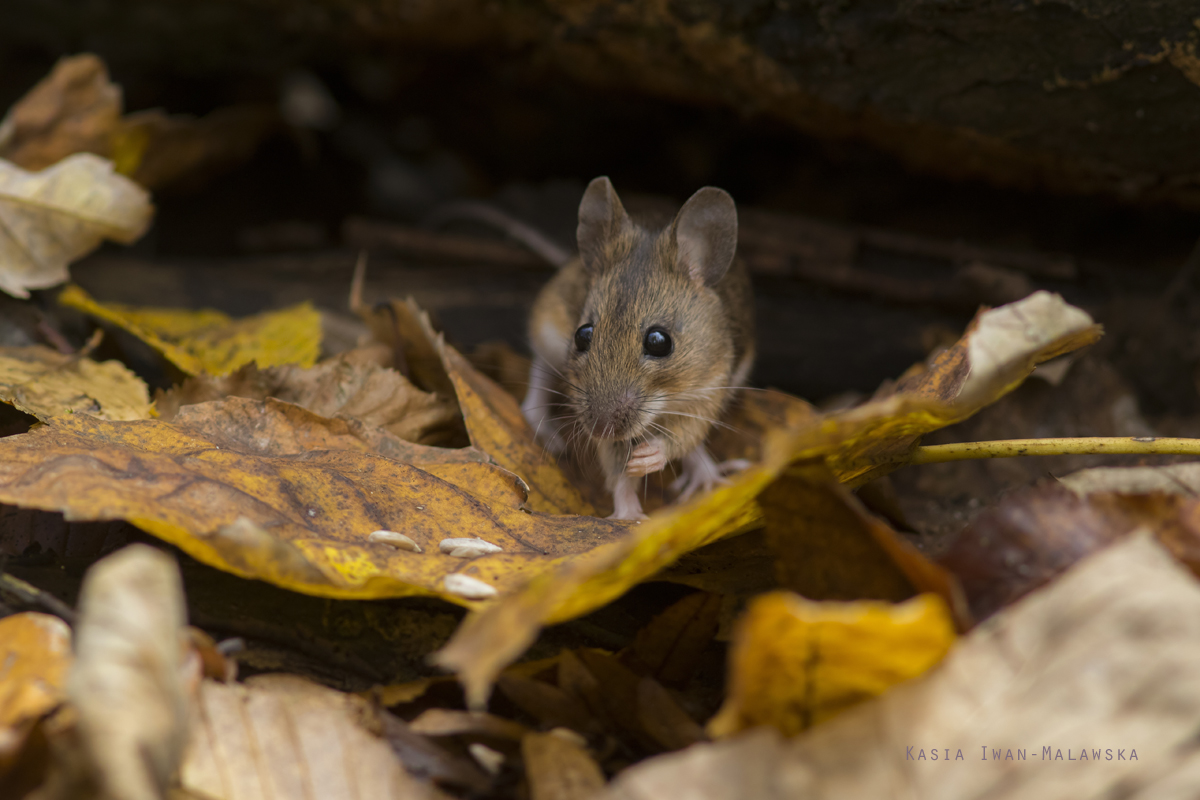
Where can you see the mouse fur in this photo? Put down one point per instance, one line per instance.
(640, 411)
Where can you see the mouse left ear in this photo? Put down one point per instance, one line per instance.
(705, 233)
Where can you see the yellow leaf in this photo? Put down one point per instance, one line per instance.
(45, 383)
(855, 444)
(267, 490)
(208, 341)
(342, 386)
(50, 218)
(35, 651)
(795, 662)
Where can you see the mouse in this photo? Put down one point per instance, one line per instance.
(642, 341)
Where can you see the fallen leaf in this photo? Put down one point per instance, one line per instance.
(856, 445)
(559, 769)
(270, 491)
(343, 386)
(35, 652)
(794, 663)
(827, 546)
(497, 427)
(53, 217)
(156, 149)
(77, 108)
(129, 683)
(548, 704)
(284, 737)
(74, 109)
(1099, 663)
(209, 341)
(46, 383)
(1034, 534)
(668, 648)
(472, 724)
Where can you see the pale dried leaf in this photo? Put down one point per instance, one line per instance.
(46, 383)
(129, 684)
(50, 218)
(284, 737)
(1102, 661)
(559, 769)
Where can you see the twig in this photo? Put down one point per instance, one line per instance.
(1057, 446)
(524, 233)
(31, 595)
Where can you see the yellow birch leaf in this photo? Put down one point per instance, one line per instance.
(268, 490)
(209, 341)
(46, 383)
(795, 662)
(50, 218)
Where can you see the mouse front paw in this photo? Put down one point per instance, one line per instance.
(701, 473)
(647, 457)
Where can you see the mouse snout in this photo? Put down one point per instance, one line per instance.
(613, 415)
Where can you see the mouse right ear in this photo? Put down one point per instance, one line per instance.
(601, 219)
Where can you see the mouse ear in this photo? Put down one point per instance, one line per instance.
(705, 233)
(601, 218)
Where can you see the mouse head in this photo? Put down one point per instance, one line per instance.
(653, 339)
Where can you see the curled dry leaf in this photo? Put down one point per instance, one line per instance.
(856, 445)
(129, 684)
(284, 737)
(74, 109)
(35, 651)
(46, 383)
(50, 218)
(209, 341)
(345, 385)
(270, 491)
(1096, 673)
(795, 662)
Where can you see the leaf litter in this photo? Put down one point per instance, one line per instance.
(400, 468)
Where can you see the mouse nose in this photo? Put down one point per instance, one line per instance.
(615, 415)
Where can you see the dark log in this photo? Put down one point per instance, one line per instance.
(1085, 96)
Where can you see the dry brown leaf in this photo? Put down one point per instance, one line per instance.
(270, 491)
(548, 704)
(46, 383)
(284, 737)
(156, 149)
(1170, 478)
(1100, 662)
(50, 218)
(1036, 533)
(343, 386)
(129, 684)
(74, 109)
(559, 769)
(668, 648)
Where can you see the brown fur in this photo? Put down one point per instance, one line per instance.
(627, 280)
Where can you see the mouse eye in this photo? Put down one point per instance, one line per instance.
(583, 338)
(657, 343)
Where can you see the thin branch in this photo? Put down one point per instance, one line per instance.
(1058, 446)
(33, 596)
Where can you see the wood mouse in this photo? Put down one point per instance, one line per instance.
(641, 342)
